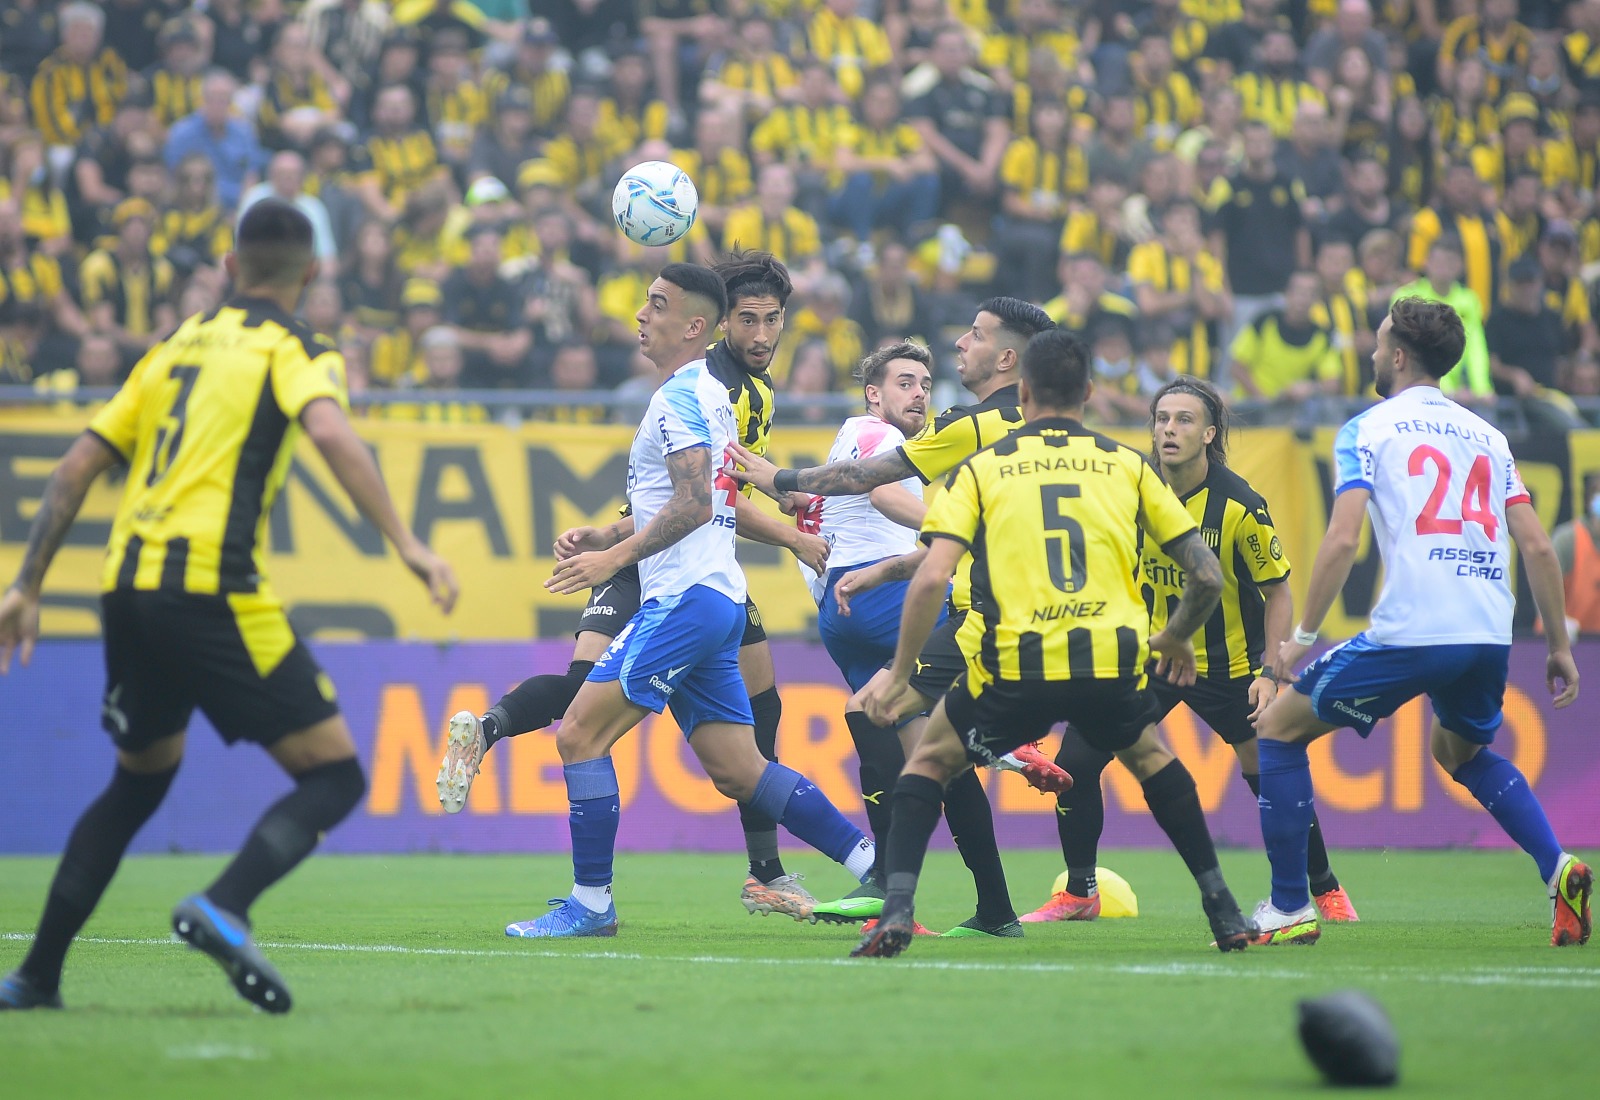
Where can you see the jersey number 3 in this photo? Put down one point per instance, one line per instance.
(1066, 550)
(1477, 501)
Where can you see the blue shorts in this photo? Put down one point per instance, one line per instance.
(682, 652)
(863, 641)
(1359, 682)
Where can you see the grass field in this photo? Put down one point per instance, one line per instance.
(405, 986)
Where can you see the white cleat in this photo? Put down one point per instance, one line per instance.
(1274, 927)
(461, 760)
(782, 895)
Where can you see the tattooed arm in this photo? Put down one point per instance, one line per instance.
(87, 458)
(832, 480)
(857, 581)
(687, 510)
(1202, 589)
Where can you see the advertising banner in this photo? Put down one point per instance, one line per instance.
(1383, 792)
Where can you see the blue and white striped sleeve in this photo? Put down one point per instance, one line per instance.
(1352, 458)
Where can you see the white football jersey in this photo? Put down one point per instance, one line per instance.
(856, 531)
(1441, 479)
(690, 410)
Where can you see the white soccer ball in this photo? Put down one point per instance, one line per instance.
(655, 203)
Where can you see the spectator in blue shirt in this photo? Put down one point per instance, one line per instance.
(228, 141)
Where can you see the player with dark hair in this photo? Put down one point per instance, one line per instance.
(1234, 684)
(1441, 487)
(205, 425)
(681, 649)
(1059, 632)
(757, 287)
(989, 356)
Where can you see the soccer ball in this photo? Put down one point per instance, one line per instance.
(655, 203)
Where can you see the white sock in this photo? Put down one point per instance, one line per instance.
(596, 899)
(859, 862)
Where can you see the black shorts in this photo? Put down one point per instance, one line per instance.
(616, 601)
(234, 656)
(612, 604)
(940, 661)
(1224, 705)
(1110, 714)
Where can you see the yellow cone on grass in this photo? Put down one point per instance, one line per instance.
(1116, 896)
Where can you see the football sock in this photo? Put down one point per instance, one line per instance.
(881, 759)
(534, 704)
(1503, 790)
(1175, 804)
(917, 800)
(593, 812)
(1081, 810)
(287, 833)
(596, 899)
(971, 821)
(1319, 872)
(795, 802)
(89, 861)
(1287, 807)
(760, 831)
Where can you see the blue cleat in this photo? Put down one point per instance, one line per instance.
(226, 938)
(568, 918)
(17, 992)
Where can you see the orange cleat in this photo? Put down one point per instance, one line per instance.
(1038, 769)
(1335, 906)
(1569, 899)
(917, 928)
(1064, 906)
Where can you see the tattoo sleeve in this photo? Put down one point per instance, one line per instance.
(849, 478)
(1202, 585)
(63, 497)
(904, 567)
(689, 509)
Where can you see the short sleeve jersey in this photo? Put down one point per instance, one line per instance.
(1051, 515)
(689, 410)
(857, 533)
(1441, 479)
(1236, 525)
(207, 423)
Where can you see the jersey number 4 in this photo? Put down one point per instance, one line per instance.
(1477, 500)
(169, 436)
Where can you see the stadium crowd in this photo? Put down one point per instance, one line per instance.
(1229, 188)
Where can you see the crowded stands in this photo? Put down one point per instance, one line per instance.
(1230, 188)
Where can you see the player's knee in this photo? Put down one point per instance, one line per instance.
(575, 741)
(1147, 755)
(939, 756)
(737, 783)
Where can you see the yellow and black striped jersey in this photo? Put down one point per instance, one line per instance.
(802, 136)
(1274, 100)
(1480, 248)
(550, 90)
(1084, 232)
(1051, 516)
(1076, 98)
(69, 99)
(1506, 52)
(793, 234)
(208, 232)
(400, 164)
(284, 94)
(1462, 126)
(1345, 315)
(176, 95)
(1150, 263)
(1010, 51)
(750, 394)
(766, 76)
(722, 181)
(456, 115)
(207, 423)
(1163, 111)
(1027, 168)
(625, 127)
(35, 280)
(1236, 525)
(852, 45)
(134, 293)
(580, 162)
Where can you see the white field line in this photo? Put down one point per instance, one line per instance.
(1533, 977)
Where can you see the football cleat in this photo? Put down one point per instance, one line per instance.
(1064, 906)
(863, 903)
(1232, 931)
(1039, 770)
(917, 928)
(1569, 903)
(975, 927)
(226, 938)
(783, 895)
(890, 935)
(461, 760)
(568, 918)
(1275, 928)
(18, 993)
(1334, 906)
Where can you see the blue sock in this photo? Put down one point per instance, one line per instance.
(793, 801)
(593, 811)
(1286, 813)
(1504, 792)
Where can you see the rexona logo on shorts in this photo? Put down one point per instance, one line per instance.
(660, 685)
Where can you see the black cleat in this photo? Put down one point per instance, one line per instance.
(890, 934)
(17, 992)
(1231, 930)
(226, 938)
